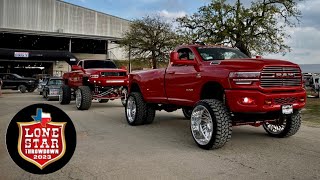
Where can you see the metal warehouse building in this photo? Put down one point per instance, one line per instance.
(33, 32)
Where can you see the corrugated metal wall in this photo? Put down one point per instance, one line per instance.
(53, 16)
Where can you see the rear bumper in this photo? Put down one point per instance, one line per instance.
(53, 96)
(53, 93)
(234, 98)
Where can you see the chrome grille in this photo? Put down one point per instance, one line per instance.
(287, 100)
(277, 76)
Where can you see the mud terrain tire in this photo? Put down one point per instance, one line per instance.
(291, 127)
(65, 94)
(137, 111)
(187, 111)
(83, 98)
(220, 122)
(151, 113)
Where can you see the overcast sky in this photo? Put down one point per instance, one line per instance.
(305, 41)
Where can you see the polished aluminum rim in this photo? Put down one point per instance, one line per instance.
(201, 125)
(78, 98)
(131, 109)
(276, 127)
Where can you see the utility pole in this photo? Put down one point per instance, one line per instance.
(106, 46)
(129, 58)
(70, 49)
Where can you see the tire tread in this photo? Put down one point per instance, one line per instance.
(292, 126)
(140, 111)
(222, 118)
(86, 99)
(151, 112)
(66, 94)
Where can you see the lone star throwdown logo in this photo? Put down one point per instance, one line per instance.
(41, 139)
(41, 142)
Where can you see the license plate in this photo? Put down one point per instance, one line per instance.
(55, 92)
(287, 109)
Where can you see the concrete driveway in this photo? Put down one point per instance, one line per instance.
(108, 148)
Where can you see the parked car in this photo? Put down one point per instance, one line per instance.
(312, 84)
(42, 83)
(52, 87)
(16, 82)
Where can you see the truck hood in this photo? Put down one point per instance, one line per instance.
(253, 64)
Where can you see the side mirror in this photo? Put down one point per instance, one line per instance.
(76, 68)
(174, 57)
(258, 57)
(175, 60)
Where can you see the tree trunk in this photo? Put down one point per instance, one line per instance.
(243, 48)
(154, 60)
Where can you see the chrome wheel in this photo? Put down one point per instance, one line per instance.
(201, 125)
(78, 98)
(131, 109)
(276, 127)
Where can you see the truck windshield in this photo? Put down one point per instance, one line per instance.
(17, 76)
(93, 64)
(217, 53)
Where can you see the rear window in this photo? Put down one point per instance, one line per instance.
(55, 82)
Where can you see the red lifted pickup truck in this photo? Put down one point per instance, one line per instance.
(217, 88)
(94, 79)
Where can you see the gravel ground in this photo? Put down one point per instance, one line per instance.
(108, 148)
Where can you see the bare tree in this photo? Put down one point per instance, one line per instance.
(258, 28)
(150, 38)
